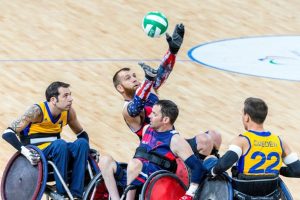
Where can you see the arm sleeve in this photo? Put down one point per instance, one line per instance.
(136, 106)
(196, 167)
(164, 69)
(225, 162)
(292, 168)
(10, 136)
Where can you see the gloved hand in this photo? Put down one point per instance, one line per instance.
(186, 197)
(95, 154)
(31, 155)
(211, 175)
(150, 73)
(177, 38)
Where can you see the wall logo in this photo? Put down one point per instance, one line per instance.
(275, 57)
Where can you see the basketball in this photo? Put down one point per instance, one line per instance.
(155, 24)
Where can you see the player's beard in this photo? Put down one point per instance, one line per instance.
(129, 92)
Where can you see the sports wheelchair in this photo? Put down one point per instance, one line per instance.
(160, 185)
(223, 187)
(21, 180)
(169, 186)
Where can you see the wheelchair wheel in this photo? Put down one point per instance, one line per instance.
(163, 185)
(183, 172)
(21, 180)
(96, 189)
(218, 188)
(285, 193)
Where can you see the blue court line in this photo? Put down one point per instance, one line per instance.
(88, 60)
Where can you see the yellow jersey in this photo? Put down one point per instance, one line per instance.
(264, 155)
(43, 133)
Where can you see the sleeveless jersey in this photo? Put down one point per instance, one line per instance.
(158, 143)
(264, 155)
(43, 133)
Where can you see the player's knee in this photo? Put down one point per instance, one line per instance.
(205, 143)
(82, 144)
(134, 166)
(60, 145)
(216, 138)
(105, 161)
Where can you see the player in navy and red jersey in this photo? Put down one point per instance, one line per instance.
(159, 148)
(139, 99)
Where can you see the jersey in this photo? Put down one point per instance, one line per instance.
(158, 143)
(264, 155)
(151, 100)
(43, 133)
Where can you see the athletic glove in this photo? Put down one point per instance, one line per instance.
(177, 38)
(83, 134)
(186, 197)
(150, 73)
(31, 155)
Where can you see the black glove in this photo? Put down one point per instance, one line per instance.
(94, 154)
(84, 135)
(150, 73)
(176, 40)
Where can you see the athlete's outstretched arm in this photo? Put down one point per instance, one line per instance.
(168, 61)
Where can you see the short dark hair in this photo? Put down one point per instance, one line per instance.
(116, 79)
(168, 109)
(256, 108)
(52, 89)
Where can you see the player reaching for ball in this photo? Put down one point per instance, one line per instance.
(139, 99)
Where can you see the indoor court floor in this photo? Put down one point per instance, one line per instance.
(84, 42)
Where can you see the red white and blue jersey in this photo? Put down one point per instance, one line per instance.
(158, 142)
(151, 100)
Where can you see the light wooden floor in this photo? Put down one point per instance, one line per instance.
(35, 37)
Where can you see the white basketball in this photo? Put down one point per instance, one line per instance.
(155, 24)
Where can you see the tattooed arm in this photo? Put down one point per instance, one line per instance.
(33, 114)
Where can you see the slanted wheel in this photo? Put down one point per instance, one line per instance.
(218, 188)
(163, 185)
(21, 180)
